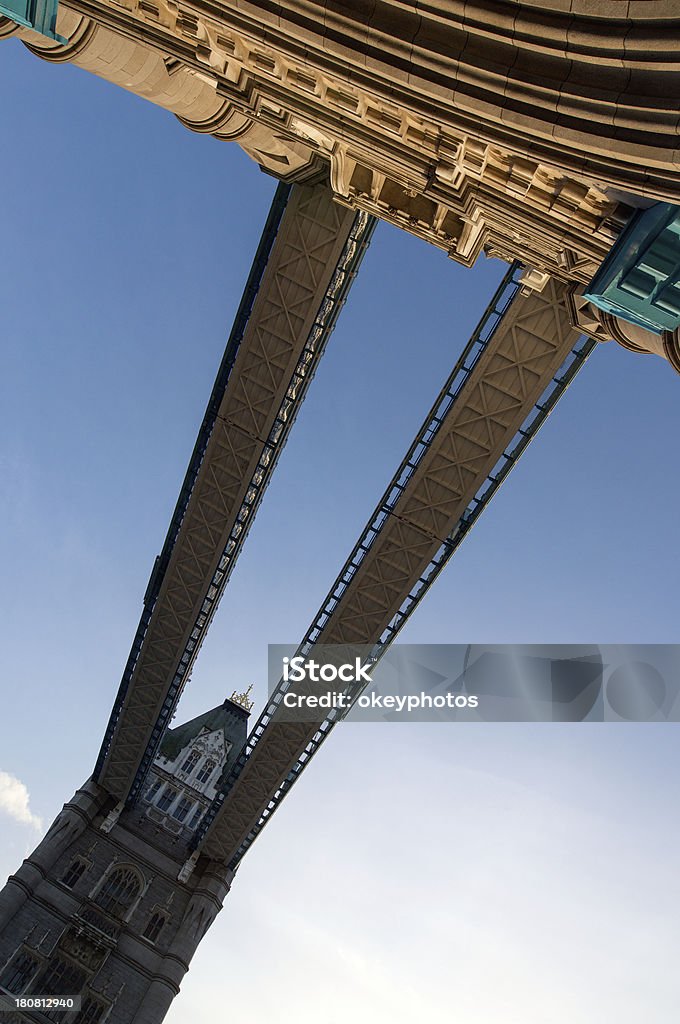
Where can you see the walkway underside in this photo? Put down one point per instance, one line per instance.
(488, 399)
(310, 265)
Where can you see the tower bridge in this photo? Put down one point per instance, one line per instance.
(310, 249)
(480, 127)
(523, 130)
(114, 901)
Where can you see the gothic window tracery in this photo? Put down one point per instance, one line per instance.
(74, 872)
(195, 817)
(154, 927)
(153, 789)
(19, 972)
(182, 809)
(206, 771)
(191, 761)
(61, 977)
(118, 892)
(166, 798)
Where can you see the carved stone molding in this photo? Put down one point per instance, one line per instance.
(403, 140)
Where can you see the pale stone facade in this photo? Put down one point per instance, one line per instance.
(436, 174)
(522, 130)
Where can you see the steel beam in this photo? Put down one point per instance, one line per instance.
(309, 268)
(516, 366)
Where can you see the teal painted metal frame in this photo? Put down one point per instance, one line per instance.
(639, 280)
(39, 15)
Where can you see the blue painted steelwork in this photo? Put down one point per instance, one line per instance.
(640, 279)
(40, 15)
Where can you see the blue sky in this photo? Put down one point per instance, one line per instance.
(491, 874)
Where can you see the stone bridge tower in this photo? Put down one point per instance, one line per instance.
(99, 909)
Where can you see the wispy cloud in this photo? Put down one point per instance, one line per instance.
(15, 800)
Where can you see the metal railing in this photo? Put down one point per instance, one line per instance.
(321, 330)
(162, 561)
(492, 317)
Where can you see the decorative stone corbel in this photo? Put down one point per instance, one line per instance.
(112, 817)
(602, 326)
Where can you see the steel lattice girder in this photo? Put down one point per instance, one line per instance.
(291, 318)
(529, 345)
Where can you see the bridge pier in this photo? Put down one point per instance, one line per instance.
(77, 917)
(200, 914)
(65, 830)
(105, 906)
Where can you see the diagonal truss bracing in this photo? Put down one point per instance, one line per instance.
(209, 419)
(511, 374)
(309, 268)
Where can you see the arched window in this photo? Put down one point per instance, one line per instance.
(16, 977)
(166, 798)
(62, 977)
(74, 873)
(206, 771)
(182, 809)
(154, 927)
(119, 891)
(191, 761)
(92, 1011)
(153, 789)
(195, 817)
